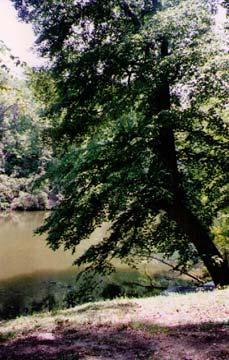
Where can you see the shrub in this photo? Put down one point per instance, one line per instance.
(30, 202)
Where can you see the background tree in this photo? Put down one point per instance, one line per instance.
(22, 155)
(139, 142)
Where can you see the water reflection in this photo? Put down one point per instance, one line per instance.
(35, 292)
(32, 276)
(23, 253)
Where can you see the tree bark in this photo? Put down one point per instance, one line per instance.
(215, 263)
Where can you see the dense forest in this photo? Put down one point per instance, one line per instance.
(133, 107)
(22, 152)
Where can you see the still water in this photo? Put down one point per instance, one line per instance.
(29, 270)
(21, 252)
(31, 274)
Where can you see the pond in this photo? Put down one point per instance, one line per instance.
(30, 272)
(21, 252)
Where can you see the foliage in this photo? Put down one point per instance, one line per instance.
(92, 287)
(220, 230)
(22, 154)
(138, 108)
(18, 194)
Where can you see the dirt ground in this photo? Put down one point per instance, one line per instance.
(128, 331)
(206, 342)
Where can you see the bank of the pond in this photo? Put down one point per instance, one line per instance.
(192, 326)
(64, 289)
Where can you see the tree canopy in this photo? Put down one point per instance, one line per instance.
(138, 107)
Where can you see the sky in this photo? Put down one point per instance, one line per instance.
(18, 36)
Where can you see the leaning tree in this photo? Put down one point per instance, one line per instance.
(138, 111)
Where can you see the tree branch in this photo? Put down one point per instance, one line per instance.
(129, 13)
(176, 268)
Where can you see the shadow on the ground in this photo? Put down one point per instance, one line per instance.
(207, 341)
(141, 340)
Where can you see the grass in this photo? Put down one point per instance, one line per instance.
(148, 327)
(7, 336)
(113, 329)
(210, 305)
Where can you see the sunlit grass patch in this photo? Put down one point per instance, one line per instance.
(148, 327)
(5, 336)
(150, 314)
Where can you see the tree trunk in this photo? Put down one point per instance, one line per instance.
(215, 263)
